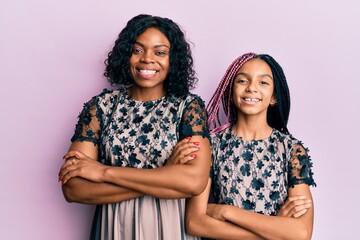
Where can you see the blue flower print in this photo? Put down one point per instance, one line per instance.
(274, 195)
(138, 119)
(257, 183)
(147, 127)
(116, 150)
(143, 140)
(247, 155)
(163, 144)
(245, 170)
(248, 205)
(259, 164)
(133, 160)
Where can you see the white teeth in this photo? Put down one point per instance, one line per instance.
(147, 71)
(252, 99)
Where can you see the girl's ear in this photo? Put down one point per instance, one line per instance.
(273, 101)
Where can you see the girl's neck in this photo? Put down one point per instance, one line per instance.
(252, 128)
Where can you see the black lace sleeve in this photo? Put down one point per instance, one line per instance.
(88, 125)
(300, 167)
(194, 120)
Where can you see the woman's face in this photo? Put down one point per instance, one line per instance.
(253, 88)
(150, 61)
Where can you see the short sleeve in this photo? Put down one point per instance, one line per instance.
(88, 125)
(194, 120)
(300, 167)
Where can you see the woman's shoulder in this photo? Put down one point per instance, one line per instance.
(107, 97)
(192, 97)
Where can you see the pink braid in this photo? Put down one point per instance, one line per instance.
(223, 92)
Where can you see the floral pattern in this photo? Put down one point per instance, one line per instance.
(256, 175)
(131, 133)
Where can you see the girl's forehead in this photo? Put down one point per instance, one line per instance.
(255, 66)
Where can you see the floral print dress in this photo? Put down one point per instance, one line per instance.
(136, 134)
(256, 175)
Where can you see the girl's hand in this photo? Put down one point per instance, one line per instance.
(183, 152)
(295, 207)
(216, 211)
(78, 164)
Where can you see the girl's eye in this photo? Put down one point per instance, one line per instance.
(264, 83)
(241, 81)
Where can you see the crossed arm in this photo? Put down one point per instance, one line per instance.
(294, 221)
(85, 180)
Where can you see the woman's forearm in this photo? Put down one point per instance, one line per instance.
(84, 191)
(173, 181)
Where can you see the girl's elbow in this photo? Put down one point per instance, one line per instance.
(192, 226)
(305, 234)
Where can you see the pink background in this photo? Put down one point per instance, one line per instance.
(51, 61)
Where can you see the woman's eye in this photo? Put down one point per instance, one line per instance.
(137, 50)
(160, 53)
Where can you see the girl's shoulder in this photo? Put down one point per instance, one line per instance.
(288, 140)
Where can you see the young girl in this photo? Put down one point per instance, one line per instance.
(261, 174)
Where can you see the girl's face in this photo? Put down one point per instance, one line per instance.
(253, 88)
(150, 61)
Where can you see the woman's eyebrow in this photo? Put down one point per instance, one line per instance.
(156, 46)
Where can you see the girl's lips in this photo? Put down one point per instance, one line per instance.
(251, 101)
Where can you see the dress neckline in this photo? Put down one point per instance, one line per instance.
(235, 136)
(128, 97)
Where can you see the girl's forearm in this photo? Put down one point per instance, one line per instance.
(270, 227)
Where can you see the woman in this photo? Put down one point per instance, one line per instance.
(121, 153)
(261, 174)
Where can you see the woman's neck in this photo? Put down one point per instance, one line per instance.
(252, 128)
(144, 94)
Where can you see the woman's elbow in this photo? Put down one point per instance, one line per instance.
(69, 194)
(197, 185)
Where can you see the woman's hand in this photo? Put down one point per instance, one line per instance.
(78, 164)
(183, 152)
(216, 211)
(295, 207)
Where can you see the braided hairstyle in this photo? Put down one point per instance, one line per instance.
(181, 76)
(277, 115)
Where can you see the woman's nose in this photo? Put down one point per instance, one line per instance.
(147, 57)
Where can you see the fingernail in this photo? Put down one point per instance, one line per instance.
(308, 201)
(187, 138)
(193, 155)
(197, 147)
(196, 143)
(62, 182)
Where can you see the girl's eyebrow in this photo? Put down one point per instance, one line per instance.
(156, 46)
(261, 75)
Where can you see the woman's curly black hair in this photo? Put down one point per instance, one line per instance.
(181, 76)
